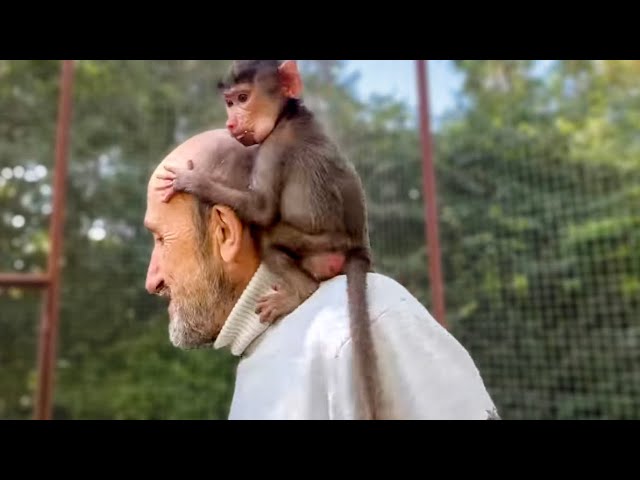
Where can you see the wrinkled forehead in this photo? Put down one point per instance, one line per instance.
(153, 214)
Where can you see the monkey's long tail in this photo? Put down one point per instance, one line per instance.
(357, 266)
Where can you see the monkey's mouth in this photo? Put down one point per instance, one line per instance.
(246, 138)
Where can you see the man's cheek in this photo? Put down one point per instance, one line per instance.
(168, 262)
(177, 257)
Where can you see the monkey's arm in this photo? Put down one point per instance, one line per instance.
(251, 206)
(258, 204)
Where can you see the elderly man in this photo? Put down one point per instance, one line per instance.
(206, 261)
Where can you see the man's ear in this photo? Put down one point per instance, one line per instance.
(290, 79)
(227, 230)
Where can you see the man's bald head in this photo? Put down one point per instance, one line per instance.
(203, 255)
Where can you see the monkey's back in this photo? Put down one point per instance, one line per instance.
(322, 191)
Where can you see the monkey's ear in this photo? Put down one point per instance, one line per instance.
(290, 79)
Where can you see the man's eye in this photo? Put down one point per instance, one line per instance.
(243, 97)
(160, 240)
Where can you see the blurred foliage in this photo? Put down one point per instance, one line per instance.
(538, 182)
(538, 200)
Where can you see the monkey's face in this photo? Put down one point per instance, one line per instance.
(251, 113)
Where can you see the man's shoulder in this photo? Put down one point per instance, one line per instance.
(383, 294)
(376, 282)
(427, 371)
(328, 308)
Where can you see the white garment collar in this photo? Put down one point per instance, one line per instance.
(243, 325)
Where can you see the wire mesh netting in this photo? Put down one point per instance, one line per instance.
(537, 194)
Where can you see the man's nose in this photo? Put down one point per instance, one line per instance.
(154, 278)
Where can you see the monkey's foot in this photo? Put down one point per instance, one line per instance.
(324, 266)
(274, 305)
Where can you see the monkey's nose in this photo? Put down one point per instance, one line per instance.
(231, 126)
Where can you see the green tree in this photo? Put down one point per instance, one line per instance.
(538, 180)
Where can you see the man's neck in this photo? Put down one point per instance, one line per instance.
(243, 323)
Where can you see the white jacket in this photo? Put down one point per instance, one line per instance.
(301, 367)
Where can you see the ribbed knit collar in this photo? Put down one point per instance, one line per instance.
(243, 325)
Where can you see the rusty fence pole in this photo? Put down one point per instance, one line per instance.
(430, 196)
(51, 305)
(32, 280)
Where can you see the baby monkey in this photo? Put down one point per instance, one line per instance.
(306, 196)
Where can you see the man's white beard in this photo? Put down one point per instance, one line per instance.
(195, 318)
(185, 337)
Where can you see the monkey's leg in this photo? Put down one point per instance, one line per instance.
(304, 243)
(324, 265)
(294, 287)
(322, 255)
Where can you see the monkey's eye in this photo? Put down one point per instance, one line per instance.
(229, 103)
(243, 97)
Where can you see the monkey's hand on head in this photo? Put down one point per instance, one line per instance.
(179, 179)
(255, 204)
(202, 182)
(192, 178)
